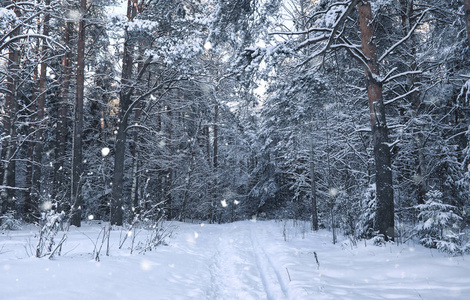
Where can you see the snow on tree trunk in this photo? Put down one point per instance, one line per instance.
(384, 221)
(9, 128)
(41, 100)
(313, 189)
(77, 163)
(407, 16)
(62, 123)
(121, 138)
(467, 19)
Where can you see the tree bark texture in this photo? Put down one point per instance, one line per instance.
(467, 19)
(77, 164)
(215, 163)
(407, 14)
(41, 101)
(384, 221)
(62, 122)
(121, 138)
(9, 128)
(30, 209)
(135, 201)
(168, 194)
(313, 187)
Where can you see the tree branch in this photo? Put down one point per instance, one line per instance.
(404, 39)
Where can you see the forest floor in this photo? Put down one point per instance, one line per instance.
(242, 260)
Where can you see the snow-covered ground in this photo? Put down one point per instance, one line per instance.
(243, 260)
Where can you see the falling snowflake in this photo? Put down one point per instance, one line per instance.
(74, 15)
(105, 151)
(145, 265)
(46, 205)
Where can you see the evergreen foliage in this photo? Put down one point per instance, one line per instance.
(241, 108)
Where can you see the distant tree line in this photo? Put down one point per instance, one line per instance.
(353, 114)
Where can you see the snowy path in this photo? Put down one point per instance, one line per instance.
(244, 260)
(274, 283)
(234, 272)
(243, 270)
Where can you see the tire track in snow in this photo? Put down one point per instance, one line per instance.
(274, 283)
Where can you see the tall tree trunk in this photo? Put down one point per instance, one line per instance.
(168, 195)
(30, 209)
(8, 180)
(124, 103)
(467, 19)
(41, 100)
(207, 140)
(209, 195)
(62, 122)
(215, 163)
(407, 13)
(216, 127)
(384, 220)
(77, 164)
(135, 203)
(313, 190)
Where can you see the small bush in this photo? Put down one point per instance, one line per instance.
(439, 225)
(8, 221)
(52, 223)
(379, 240)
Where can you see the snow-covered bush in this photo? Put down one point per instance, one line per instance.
(8, 221)
(379, 240)
(152, 221)
(52, 223)
(365, 226)
(439, 225)
(157, 235)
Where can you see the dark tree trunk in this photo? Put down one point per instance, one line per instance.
(8, 180)
(62, 123)
(41, 101)
(169, 176)
(30, 209)
(215, 164)
(407, 14)
(135, 167)
(77, 164)
(467, 19)
(384, 221)
(216, 120)
(121, 138)
(135, 201)
(207, 141)
(313, 187)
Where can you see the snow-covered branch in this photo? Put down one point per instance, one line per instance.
(311, 41)
(404, 39)
(389, 78)
(401, 96)
(310, 30)
(27, 36)
(334, 30)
